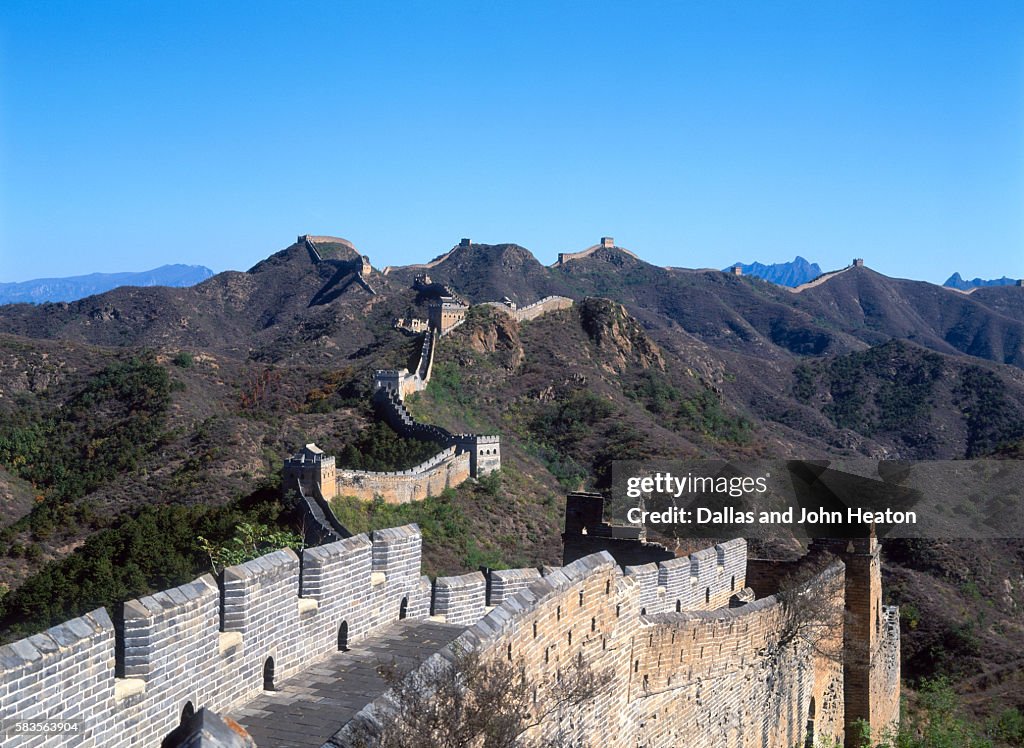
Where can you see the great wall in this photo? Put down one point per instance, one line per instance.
(699, 651)
(695, 648)
(316, 477)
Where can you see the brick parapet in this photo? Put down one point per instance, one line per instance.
(699, 677)
(507, 582)
(208, 645)
(702, 678)
(461, 599)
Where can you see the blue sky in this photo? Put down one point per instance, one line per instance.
(696, 133)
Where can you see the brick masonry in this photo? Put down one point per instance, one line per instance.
(685, 668)
(702, 678)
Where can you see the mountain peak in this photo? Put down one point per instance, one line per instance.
(791, 274)
(957, 281)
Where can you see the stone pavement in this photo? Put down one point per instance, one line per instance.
(313, 705)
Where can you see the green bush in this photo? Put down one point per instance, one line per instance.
(153, 551)
(380, 448)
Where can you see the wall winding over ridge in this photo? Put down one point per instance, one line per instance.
(446, 469)
(534, 310)
(706, 678)
(703, 677)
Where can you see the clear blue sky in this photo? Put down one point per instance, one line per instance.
(696, 133)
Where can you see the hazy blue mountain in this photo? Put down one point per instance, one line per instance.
(79, 286)
(783, 273)
(955, 281)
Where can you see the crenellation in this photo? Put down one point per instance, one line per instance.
(682, 670)
(646, 577)
(505, 583)
(531, 311)
(460, 599)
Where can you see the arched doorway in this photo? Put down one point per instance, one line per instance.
(809, 737)
(343, 637)
(403, 609)
(179, 733)
(268, 674)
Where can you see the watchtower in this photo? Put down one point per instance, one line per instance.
(313, 471)
(858, 262)
(871, 667)
(607, 242)
(389, 379)
(445, 313)
(737, 270)
(484, 452)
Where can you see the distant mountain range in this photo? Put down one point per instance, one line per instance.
(955, 281)
(79, 286)
(791, 274)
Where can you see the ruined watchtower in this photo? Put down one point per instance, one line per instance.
(871, 638)
(312, 471)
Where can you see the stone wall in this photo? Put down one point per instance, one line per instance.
(504, 583)
(534, 310)
(461, 600)
(704, 580)
(564, 257)
(545, 305)
(446, 469)
(701, 679)
(207, 646)
(703, 675)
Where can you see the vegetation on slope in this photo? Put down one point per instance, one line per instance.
(455, 529)
(915, 399)
(380, 448)
(99, 434)
(155, 550)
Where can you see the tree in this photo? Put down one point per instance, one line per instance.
(812, 603)
(474, 700)
(251, 540)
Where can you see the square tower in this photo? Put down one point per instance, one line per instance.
(484, 452)
(313, 472)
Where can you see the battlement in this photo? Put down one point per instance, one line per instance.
(534, 310)
(217, 647)
(703, 678)
(447, 469)
(208, 645)
(606, 242)
(704, 580)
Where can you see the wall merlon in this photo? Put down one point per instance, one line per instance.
(460, 599)
(278, 562)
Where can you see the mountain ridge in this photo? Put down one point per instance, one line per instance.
(793, 273)
(958, 282)
(223, 379)
(72, 288)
